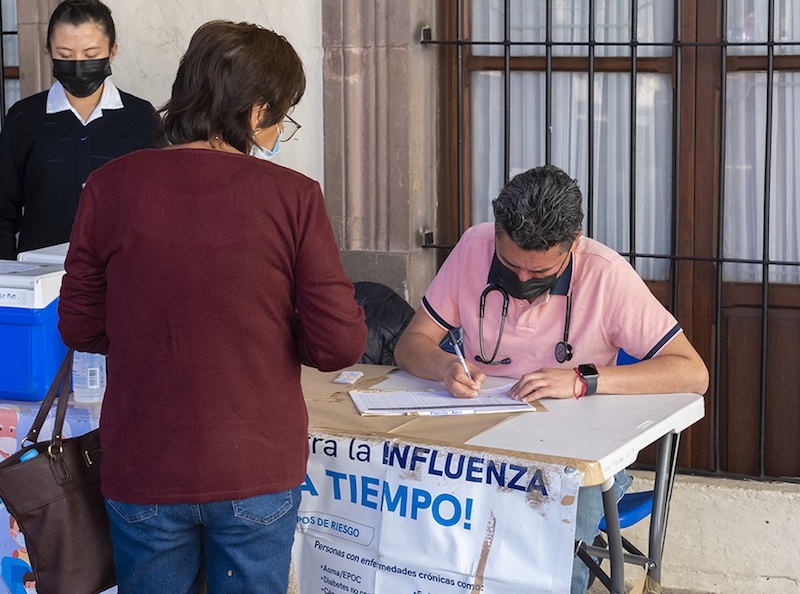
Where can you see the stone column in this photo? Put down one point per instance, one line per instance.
(35, 68)
(380, 110)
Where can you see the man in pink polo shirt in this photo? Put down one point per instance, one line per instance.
(538, 301)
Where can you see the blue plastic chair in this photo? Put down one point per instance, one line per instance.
(632, 507)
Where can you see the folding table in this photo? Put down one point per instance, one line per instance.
(600, 436)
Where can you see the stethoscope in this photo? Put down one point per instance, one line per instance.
(563, 350)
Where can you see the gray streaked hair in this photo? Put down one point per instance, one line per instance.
(540, 208)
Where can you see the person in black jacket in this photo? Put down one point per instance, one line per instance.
(51, 141)
(387, 315)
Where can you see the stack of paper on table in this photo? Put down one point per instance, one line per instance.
(404, 394)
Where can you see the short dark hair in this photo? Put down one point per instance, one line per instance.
(540, 208)
(227, 69)
(78, 12)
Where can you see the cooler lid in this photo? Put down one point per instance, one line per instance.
(54, 254)
(29, 285)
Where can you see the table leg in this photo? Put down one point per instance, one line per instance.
(662, 493)
(615, 552)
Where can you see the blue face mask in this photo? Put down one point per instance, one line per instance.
(265, 154)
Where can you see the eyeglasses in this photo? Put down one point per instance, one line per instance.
(290, 128)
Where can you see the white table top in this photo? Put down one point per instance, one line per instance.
(600, 435)
(606, 428)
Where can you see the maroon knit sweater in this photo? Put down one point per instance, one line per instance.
(208, 278)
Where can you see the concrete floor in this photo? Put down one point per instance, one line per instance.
(633, 574)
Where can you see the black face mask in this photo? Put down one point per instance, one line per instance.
(530, 289)
(81, 78)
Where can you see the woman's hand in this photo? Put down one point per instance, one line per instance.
(547, 383)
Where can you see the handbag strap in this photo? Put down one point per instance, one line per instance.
(55, 389)
(61, 408)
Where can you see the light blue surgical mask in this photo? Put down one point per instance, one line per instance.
(259, 152)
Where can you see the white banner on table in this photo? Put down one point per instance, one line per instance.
(380, 517)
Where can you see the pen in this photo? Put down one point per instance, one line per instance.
(459, 354)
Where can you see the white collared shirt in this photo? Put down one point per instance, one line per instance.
(110, 99)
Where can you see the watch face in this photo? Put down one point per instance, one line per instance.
(587, 369)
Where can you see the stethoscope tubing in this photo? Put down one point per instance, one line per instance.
(503, 316)
(563, 350)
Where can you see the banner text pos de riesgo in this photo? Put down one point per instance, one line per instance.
(389, 517)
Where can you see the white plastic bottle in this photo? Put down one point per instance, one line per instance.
(88, 376)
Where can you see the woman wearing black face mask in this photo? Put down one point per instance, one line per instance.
(51, 141)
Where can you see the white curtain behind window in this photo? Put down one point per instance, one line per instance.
(745, 149)
(745, 169)
(746, 120)
(570, 96)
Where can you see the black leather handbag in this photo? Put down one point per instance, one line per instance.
(53, 491)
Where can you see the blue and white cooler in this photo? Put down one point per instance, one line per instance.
(31, 349)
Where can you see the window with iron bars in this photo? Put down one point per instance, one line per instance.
(679, 118)
(9, 57)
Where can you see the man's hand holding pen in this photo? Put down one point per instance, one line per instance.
(461, 381)
(459, 384)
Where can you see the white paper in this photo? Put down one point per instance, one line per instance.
(436, 402)
(348, 377)
(403, 381)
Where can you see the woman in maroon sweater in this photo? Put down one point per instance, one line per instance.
(209, 276)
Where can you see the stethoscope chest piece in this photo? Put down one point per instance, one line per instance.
(563, 352)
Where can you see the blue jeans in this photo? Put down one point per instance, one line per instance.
(590, 512)
(242, 545)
